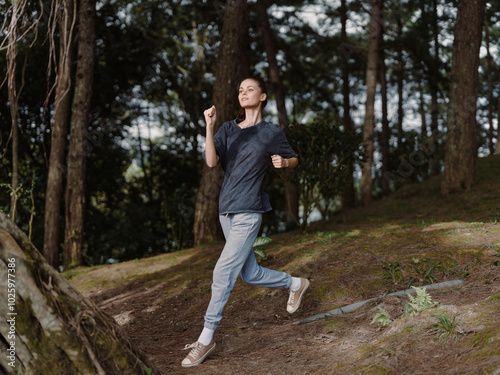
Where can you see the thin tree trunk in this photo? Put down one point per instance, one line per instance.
(230, 69)
(400, 73)
(13, 103)
(461, 149)
(142, 157)
(434, 162)
(498, 124)
(348, 196)
(384, 144)
(371, 87)
(77, 156)
(423, 128)
(291, 191)
(59, 131)
(489, 72)
(48, 326)
(274, 72)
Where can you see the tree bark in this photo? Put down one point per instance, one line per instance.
(400, 73)
(461, 149)
(384, 144)
(423, 112)
(77, 158)
(435, 162)
(371, 87)
(489, 72)
(59, 131)
(274, 72)
(49, 327)
(13, 100)
(230, 69)
(498, 124)
(291, 191)
(348, 196)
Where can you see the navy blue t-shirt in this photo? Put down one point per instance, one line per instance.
(245, 155)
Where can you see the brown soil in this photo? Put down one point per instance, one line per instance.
(160, 301)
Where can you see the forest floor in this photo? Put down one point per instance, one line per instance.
(413, 237)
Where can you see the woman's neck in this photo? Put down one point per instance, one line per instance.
(252, 117)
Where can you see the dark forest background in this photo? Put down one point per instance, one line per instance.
(101, 111)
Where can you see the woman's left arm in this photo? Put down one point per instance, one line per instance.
(280, 162)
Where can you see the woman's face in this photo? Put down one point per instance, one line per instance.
(250, 94)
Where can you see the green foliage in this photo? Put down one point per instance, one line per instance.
(26, 198)
(326, 154)
(382, 317)
(260, 252)
(147, 209)
(445, 327)
(421, 301)
(428, 271)
(416, 270)
(410, 161)
(394, 273)
(261, 241)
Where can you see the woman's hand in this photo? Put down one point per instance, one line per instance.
(279, 162)
(210, 118)
(210, 154)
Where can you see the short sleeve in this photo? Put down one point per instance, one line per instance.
(285, 150)
(219, 142)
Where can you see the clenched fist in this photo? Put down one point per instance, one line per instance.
(210, 117)
(279, 162)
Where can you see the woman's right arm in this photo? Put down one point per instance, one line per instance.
(210, 153)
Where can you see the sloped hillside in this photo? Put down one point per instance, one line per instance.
(412, 238)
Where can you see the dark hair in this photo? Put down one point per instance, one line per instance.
(262, 85)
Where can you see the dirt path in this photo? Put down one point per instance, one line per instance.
(163, 310)
(254, 341)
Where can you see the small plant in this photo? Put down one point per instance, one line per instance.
(394, 270)
(428, 271)
(261, 241)
(445, 326)
(382, 317)
(422, 301)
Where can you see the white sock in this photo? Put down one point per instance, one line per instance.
(295, 284)
(206, 336)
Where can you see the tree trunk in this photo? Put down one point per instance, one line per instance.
(400, 74)
(434, 162)
(348, 196)
(274, 72)
(59, 131)
(498, 124)
(48, 326)
(489, 72)
(371, 87)
(291, 191)
(461, 151)
(230, 69)
(77, 156)
(420, 78)
(384, 144)
(423, 112)
(13, 101)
